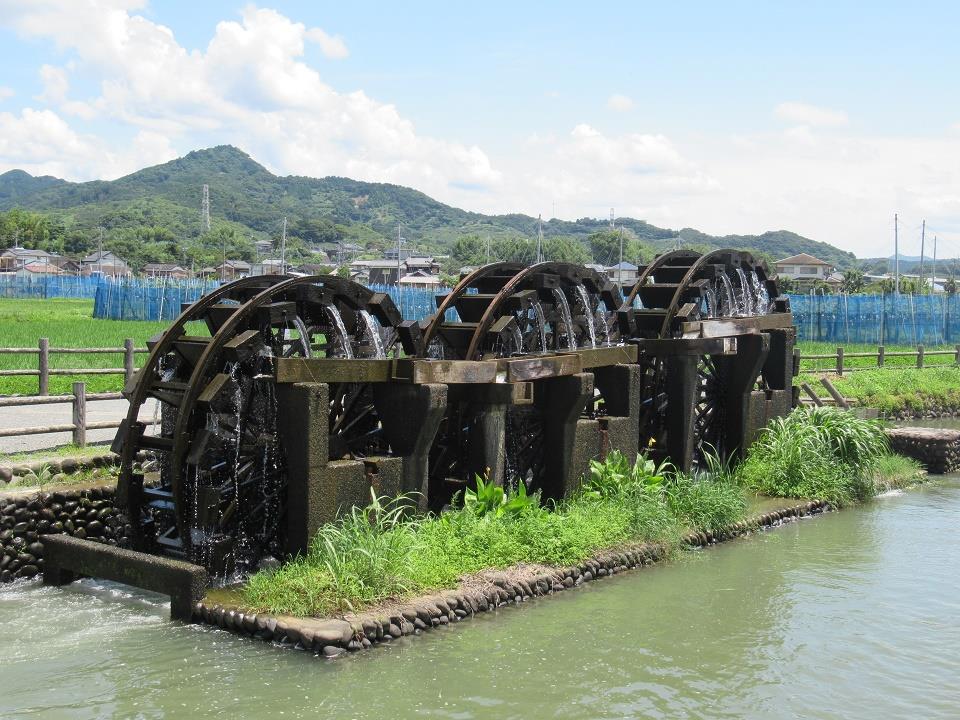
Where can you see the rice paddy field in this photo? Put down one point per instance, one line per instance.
(66, 323)
(855, 363)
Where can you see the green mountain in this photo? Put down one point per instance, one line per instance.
(157, 210)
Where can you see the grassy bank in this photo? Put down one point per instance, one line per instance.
(381, 552)
(895, 390)
(67, 323)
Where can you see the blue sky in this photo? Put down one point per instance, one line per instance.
(823, 118)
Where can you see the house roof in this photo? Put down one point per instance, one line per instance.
(235, 264)
(25, 252)
(801, 259)
(623, 266)
(42, 268)
(162, 267)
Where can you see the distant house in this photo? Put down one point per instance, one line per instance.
(421, 278)
(66, 265)
(264, 247)
(384, 271)
(37, 268)
(271, 266)
(623, 273)
(229, 270)
(165, 270)
(313, 269)
(806, 269)
(16, 257)
(104, 263)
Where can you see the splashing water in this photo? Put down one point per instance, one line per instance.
(746, 296)
(565, 316)
(373, 335)
(761, 298)
(727, 304)
(712, 309)
(435, 349)
(541, 324)
(342, 330)
(304, 335)
(517, 338)
(588, 314)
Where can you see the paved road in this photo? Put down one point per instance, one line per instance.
(58, 414)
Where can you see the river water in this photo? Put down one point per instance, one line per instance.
(854, 614)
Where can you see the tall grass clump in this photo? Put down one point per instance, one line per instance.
(816, 452)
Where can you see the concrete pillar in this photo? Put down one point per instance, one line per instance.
(561, 401)
(303, 428)
(681, 398)
(411, 415)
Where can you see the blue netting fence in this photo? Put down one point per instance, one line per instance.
(152, 300)
(874, 319)
(878, 319)
(49, 286)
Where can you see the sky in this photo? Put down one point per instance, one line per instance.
(824, 118)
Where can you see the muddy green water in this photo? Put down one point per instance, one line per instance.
(854, 614)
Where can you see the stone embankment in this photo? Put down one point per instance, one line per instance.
(484, 592)
(27, 515)
(938, 450)
(57, 466)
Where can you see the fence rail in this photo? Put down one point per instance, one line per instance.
(79, 424)
(838, 359)
(43, 351)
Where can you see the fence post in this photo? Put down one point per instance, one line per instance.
(127, 360)
(839, 361)
(43, 365)
(880, 352)
(956, 355)
(80, 414)
(919, 356)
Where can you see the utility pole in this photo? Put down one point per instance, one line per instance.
(539, 238)
(923, 232)
(611, 218)
(896, 256)
(488, 250)
(205, 210)
(100, 253)
(399, 241)
(283, 247)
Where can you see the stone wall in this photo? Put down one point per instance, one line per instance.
(936, 449)
(27, 515)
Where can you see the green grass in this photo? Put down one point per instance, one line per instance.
(377, 553)
(66, 323)
(20, 458)
(830, 348)
(896, 390)
(822, 453)
(45, 478)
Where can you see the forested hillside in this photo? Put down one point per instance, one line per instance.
(154, 214)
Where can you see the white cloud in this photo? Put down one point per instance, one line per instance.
(814, 115)
(620, 103)
(249, 87)
(6, 92)
(331, 46)
(55, 84)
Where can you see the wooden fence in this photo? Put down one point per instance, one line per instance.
(839, 358)
(43, 351)
(79, 423)
(79, 396)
